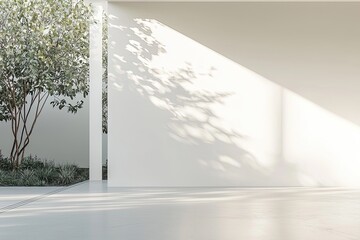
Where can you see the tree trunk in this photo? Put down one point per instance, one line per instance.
(22, 126)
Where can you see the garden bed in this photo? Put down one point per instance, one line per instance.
(36, 172)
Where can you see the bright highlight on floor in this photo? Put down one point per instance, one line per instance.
(93, 211)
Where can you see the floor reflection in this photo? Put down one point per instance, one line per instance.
(93, 211)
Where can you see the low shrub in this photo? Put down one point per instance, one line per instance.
(46, 174)
(29, 178)
(9, 178)
(5, 164)
(67, 174)
(35, 172)
(31, 162)
(105, 170)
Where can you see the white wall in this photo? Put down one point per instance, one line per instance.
(236, 94)
(324, 147)
(58, 136)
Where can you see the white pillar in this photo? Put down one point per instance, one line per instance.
(95, 117)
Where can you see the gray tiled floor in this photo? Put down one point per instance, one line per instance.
(93, 211)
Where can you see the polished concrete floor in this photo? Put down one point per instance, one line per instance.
(93, 211)
(11, 197)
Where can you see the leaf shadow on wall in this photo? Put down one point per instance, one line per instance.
(159, 105)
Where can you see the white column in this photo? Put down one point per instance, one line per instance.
(95, 131)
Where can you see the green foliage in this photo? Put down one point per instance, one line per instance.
(105, 74)
(46, 174)
(67, 174)
(44, 48)
(31, 163)
(8, 178)
(105, 170)
(29, 178)
(5, 164)
(44, 57)
(35, 172)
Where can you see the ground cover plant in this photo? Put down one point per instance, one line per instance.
(37, 172)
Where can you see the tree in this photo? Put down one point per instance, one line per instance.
(44, 51)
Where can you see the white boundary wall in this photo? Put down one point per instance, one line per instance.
(186, 110)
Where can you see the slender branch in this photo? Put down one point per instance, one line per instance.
(37, 114)
(25, 117)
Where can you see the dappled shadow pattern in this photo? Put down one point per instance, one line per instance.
(183, 118)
